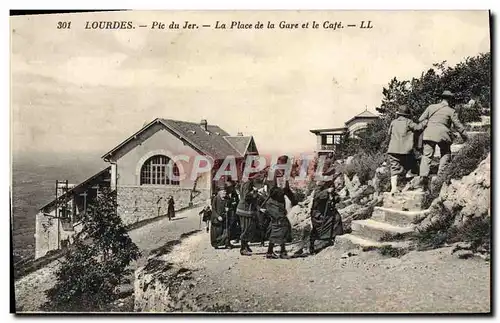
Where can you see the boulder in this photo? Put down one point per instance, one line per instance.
(381, 174)
(465, 198)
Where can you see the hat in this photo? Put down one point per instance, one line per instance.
(403, 110)
(447, 94)
(282, 159)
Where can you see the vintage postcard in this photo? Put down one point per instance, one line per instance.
(251, 161)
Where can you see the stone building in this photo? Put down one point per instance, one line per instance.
(157, 161)
(329, 139)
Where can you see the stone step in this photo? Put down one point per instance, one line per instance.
(404, 201)
(351, 241)
(375, 230)
(396, 217)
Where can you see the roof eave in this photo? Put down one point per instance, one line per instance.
(361, 117)
(316, 131)
(106, 157)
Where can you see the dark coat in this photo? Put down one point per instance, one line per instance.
(171, 208)
(326, 220)
(280, 227)
(247, 205)
(218, 230)
(206, 215)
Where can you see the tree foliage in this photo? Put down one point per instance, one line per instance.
(469, 80)
(97, 261)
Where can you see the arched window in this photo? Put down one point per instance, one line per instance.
(159, 170)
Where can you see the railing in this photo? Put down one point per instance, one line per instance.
(327, 147)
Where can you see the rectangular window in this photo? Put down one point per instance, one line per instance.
(329, 139)
(336, 139)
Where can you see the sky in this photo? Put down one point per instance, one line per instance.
(84, 91)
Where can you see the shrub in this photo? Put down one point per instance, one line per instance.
(476, 231)
(96, 263)
(437, 233)
(364, 165)
(390, 251)
(468, 158)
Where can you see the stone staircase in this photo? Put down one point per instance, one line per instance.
(392, 220)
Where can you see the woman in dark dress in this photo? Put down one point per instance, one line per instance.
(325, 219)
(248, 212)
(280, 228)
(171, 207)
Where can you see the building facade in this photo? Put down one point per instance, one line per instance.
(329, 140)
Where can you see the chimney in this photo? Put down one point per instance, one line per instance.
(204, 124)
(240, 134)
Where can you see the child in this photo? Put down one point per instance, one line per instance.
(206, 214)
(401, 145)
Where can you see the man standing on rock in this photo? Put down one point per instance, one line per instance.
(247, 211)
(441, 117)
(401, 133)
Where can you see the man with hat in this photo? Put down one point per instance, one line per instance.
(400, 147)
(219, 235)
(440, 117)
(233, 201)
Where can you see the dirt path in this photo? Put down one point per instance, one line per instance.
(431, 281)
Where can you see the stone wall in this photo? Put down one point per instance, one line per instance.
(138, 203)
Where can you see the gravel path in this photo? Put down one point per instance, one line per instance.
(430, 281)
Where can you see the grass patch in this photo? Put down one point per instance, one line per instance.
(475, 231)
(390, 251)
(364, 165)
(393, 237)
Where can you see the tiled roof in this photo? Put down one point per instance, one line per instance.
(364, 114)
(211, 142)
(240, 143)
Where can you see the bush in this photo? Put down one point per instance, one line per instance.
(96, 263)
(476, 231)
(468, 158)
(437, 233)
(364, 165)
(390, 251)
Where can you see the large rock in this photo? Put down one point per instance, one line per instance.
(380, 174)
(471, 194)
(464, 199)
(352, 185)
(299, 214)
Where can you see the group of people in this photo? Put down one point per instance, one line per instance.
(435, 123)
(260, 214)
